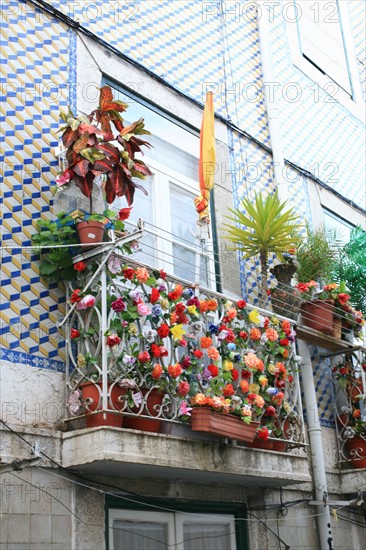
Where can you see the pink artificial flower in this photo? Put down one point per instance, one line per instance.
(114, 265)
(142, 309)
(184, 409)
(86, 302)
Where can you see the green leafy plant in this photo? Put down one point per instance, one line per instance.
(261, 228)
(316, 255)
(56, 261)
(351, 267)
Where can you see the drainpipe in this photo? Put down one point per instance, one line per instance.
(270, 89)
(316, 447)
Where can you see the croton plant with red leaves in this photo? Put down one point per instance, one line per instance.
(100, 144)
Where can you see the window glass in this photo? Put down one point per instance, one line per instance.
(134, 535)
(321, 40)
(340, 227)
(209, 536)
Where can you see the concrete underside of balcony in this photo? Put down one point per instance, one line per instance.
(123, 452)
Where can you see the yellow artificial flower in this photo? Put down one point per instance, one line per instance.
(177, 332)
(263, 380)
(192, 310)
(286, 407)
(81, 360)
(227, 365)
(275, 321)
(254, 317)
(164, 302)
(271, 368)
(132, 329)
(254, 388)
(228, 304)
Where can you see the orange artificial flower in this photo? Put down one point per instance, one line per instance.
(272, 334)
(142, 274)
(205, 342)
(213, 353)
(255, 334)
(212, 304)
(203, 306)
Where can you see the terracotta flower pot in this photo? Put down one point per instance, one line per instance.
(92, 391)
(154, 398)
(318, 314)
(90, 232)
(357, 449)
(261, 444)
(204, 419)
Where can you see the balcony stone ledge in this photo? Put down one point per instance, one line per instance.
(115, 452)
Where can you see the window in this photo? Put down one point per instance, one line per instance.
(321, 41)
(137, 530)
(342, 229)
(321, 44)
(171, 240)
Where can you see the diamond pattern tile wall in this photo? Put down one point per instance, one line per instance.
(35, 72)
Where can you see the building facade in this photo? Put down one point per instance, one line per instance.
(289, 102)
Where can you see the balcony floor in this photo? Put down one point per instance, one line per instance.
(123, 452)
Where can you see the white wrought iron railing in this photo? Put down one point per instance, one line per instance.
(122, 366)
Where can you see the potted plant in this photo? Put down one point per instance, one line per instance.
(100, 148)
(54, 240)
(262, 228)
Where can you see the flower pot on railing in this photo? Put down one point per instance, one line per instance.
(357, 450)
(153, 400)
(285, 300)
(261, 444)
(92, 393)
(318, 314)
(204, 419)
(90, 232)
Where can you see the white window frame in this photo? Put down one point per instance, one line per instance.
(174, 521)
(336, 94)
(161, 211)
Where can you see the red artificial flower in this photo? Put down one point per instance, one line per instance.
(155, 350)
(154, 296)
(180, 308)
(277, 399)
(75, 296)
(183, 389)
(182, 319)
(243, 335)
(162, 274)
(284, 342)
(118, 305)
(163, 351)
(214, 370)
(235, 374)
(356, 413)
(124, 213)
(175, 370)
(186, 362)
(270, 411)
(266, 322)
(241, 304)
(74, 333)
(113, 340)
(302, 287)
(263, 433)
(163, 330)
(80, 266)
(343, 298)
(173, 296)
(246, 374)
(143, 357)
(230, 337)
(198, 353)
(228, 390)
(129, 273)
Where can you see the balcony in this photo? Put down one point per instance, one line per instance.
(147, 350)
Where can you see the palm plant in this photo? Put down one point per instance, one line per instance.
(261, 228)
(316, 255)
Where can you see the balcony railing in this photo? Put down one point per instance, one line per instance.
(349, 393)
(144, 345)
